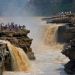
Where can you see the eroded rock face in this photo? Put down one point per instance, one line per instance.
(66, 34)
(67, 31)
(69, 51)
(17, 35)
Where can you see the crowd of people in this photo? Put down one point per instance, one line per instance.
(11, 26)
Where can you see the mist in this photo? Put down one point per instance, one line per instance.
(35, 7)
(14, 8)
(23, 12)
(19, 12)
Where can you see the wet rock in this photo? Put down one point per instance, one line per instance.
(70, 67)
(69, 51)
(66, 34)
(31, 55)
(18, 36)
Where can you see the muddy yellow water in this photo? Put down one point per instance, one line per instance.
(50, 36)
(19, 59)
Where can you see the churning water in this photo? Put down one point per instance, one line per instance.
(49, 61)
(19, 59)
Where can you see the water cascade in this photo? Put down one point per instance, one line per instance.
(50, 36)
(19, 59)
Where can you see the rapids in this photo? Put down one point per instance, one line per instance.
(49, 60)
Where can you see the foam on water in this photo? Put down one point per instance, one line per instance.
(20, 61)
(49, 61)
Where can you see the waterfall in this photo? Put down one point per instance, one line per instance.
(19, 59)
(50, 36)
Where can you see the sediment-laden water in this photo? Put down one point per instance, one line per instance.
(49, 61)
(19, 59)
(50, 36)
